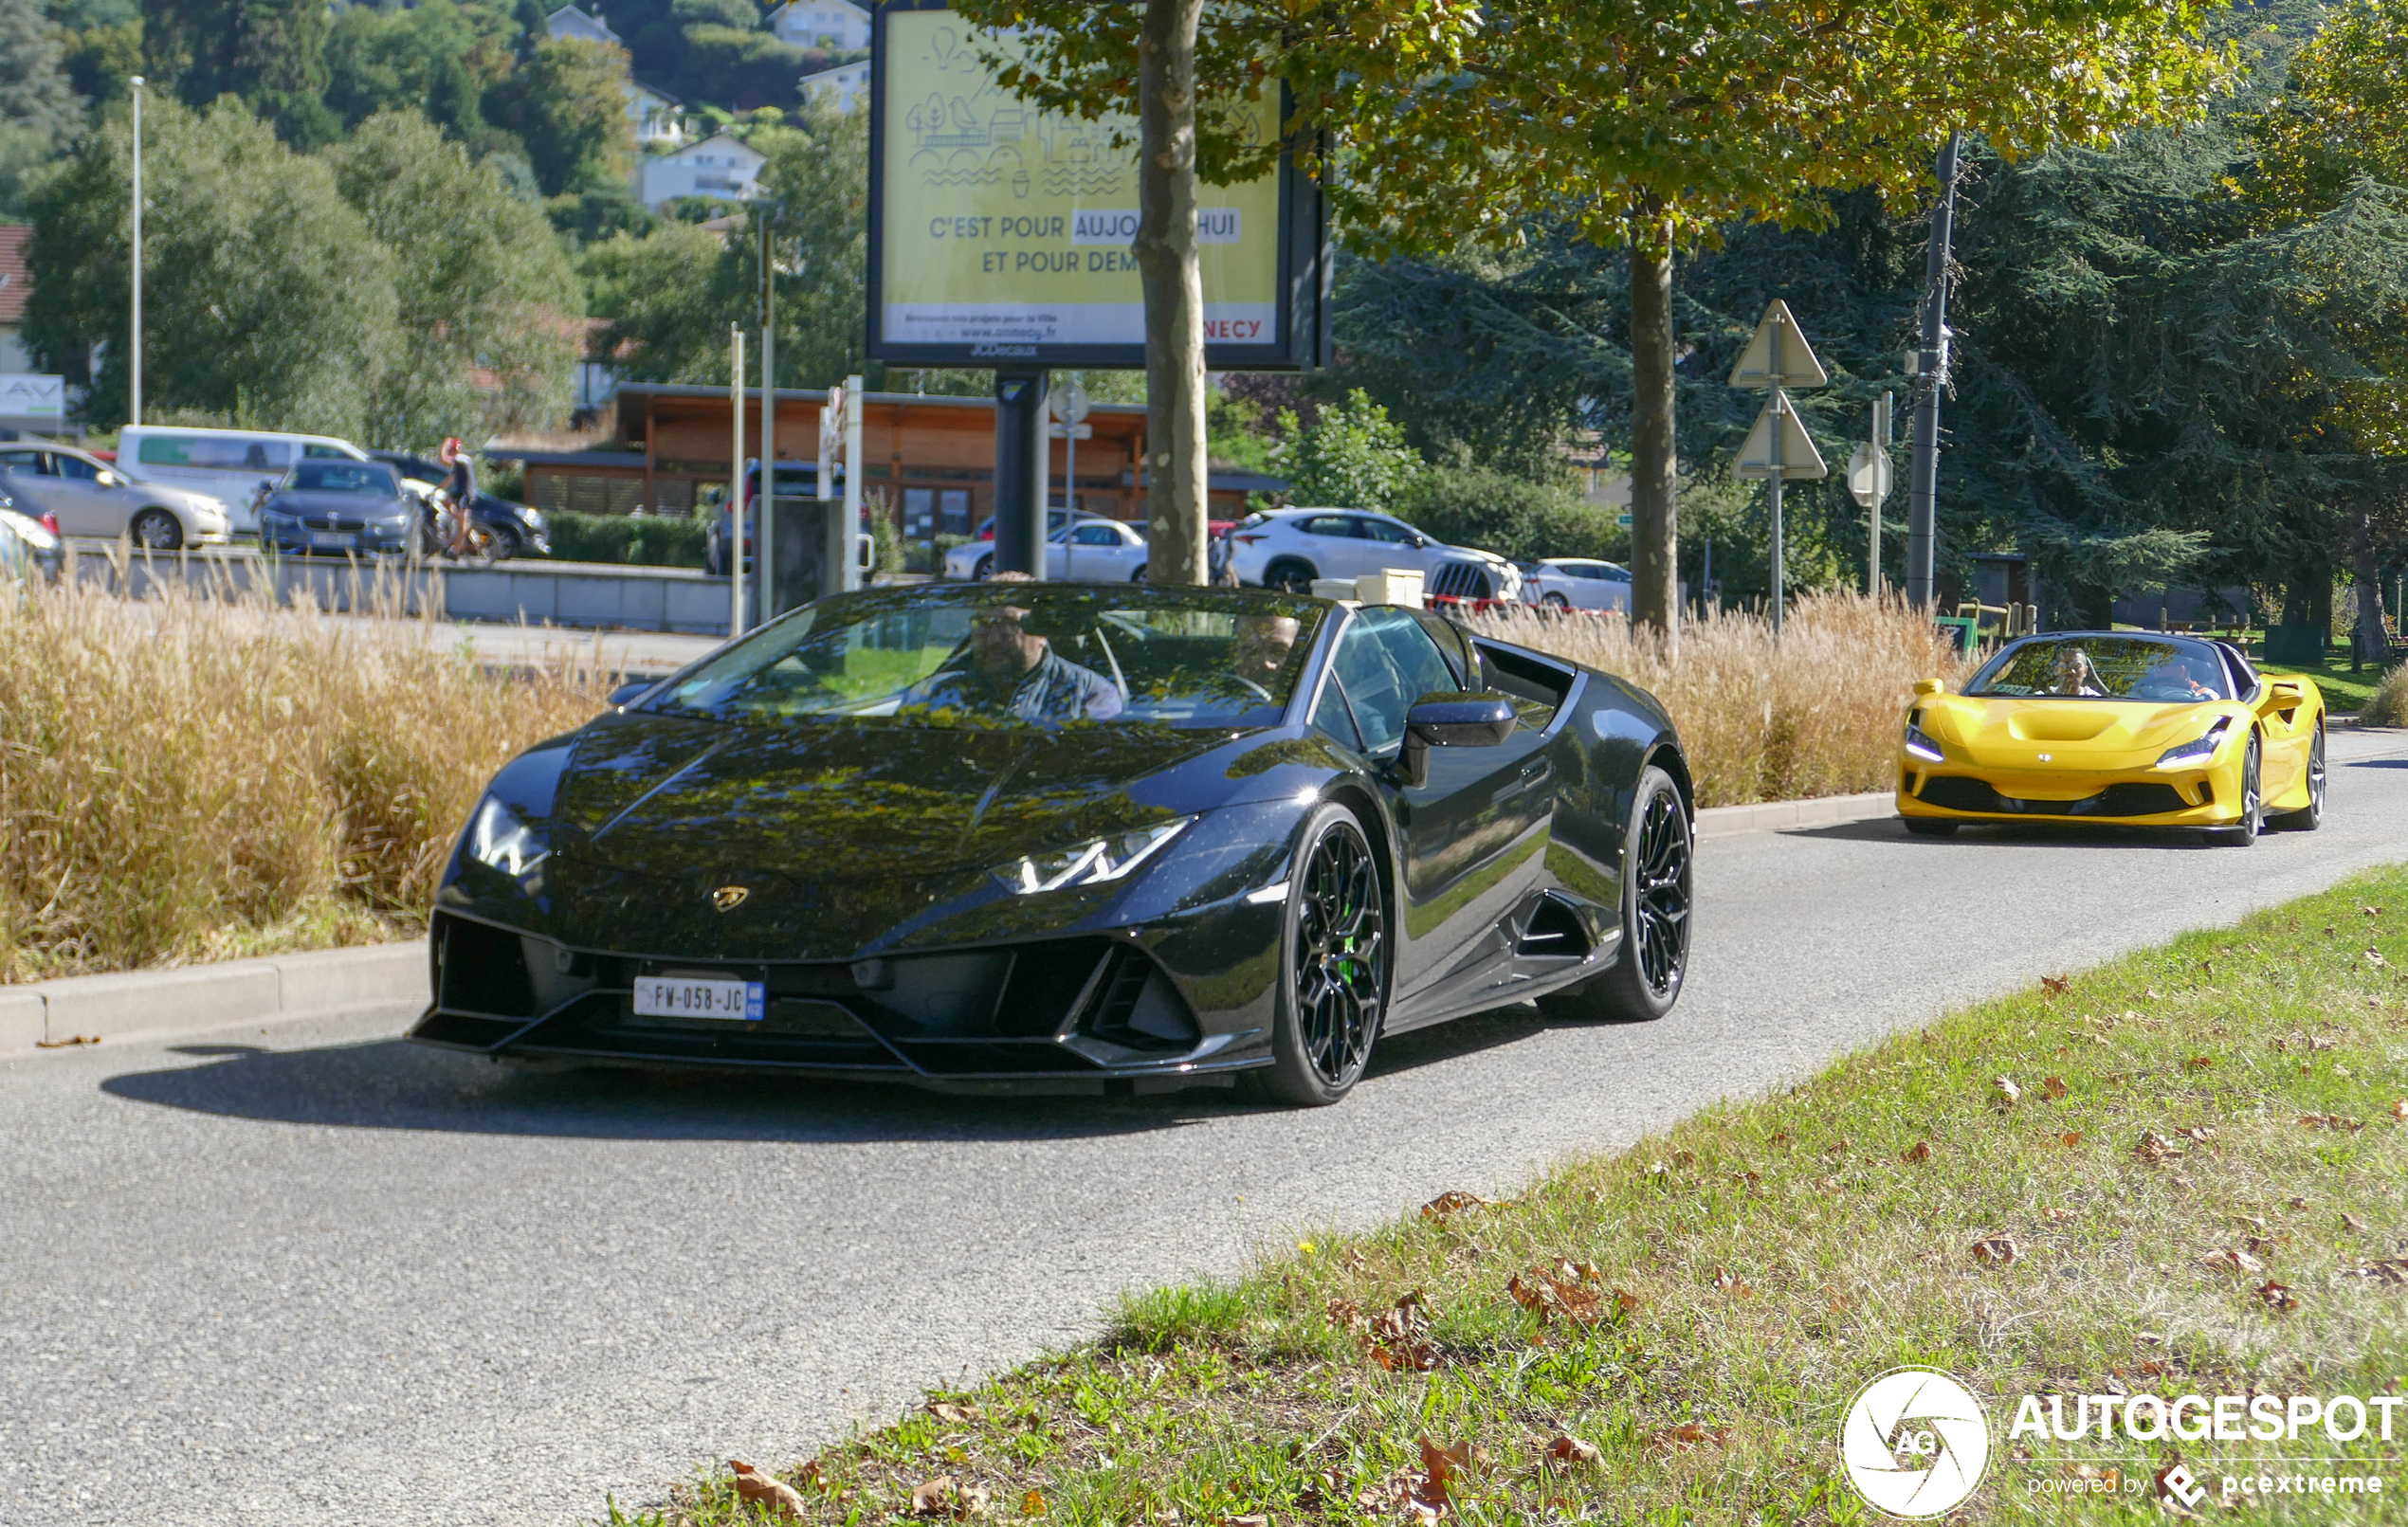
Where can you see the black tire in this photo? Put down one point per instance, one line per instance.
(2244, 832)
(157, 530)
(1658, 894)
(2311, 816)
(506, 543)
(1555, 601)
(1924, 827)
(1333, 966)
(1139, 576)
(985, 570)
(1289, 575)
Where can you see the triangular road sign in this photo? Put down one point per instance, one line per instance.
(1800, 458)
(1777, 332)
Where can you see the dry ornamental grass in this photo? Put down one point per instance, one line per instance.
(1817, 713)
(194, 779)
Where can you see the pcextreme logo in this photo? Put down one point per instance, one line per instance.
(1915, 1443)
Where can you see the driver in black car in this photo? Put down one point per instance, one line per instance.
(1014, 671)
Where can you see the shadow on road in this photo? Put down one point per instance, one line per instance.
(389, 1084)
(2026, 834)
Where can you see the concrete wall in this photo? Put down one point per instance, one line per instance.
(583, 596)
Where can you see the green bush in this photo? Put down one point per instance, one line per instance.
(1511, 516)
(2389, 707)
(639, 540)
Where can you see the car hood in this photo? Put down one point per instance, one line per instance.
(852, 836)
(2067, 728)
(350, 505)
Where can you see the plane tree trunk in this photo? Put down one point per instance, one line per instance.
(1173, 278)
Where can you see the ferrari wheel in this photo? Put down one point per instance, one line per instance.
(1334, 976)
(2244, 832)
(1925, 826)
(2311, 816)
(1657, 893)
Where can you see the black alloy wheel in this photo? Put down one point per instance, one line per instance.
(506, 543)
(2244, 832)
(157, 530)
(1658, 894)
(1288, 575)
(1334, 976)
(2311, 816)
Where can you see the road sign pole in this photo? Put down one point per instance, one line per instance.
(1872, 524)
(1931, 375)
(733, 545)
(1774, 483)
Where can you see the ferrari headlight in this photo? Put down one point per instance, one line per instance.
(1920, 743)
(1089, 863)
(500, 839)
(2192, 755)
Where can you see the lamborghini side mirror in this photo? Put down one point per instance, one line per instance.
(1460, 720)
(629, 693)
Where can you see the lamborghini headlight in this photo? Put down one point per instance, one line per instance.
(1089, 863)
(500, 839)
(1918, 742)
(2193, 754)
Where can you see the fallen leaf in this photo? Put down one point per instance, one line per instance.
(1554, 1294)
(2264, 1246)
(2155, 1148)
(64, 1043)
(2332, 1121)
(2375, 958)
(1829, 1184)
(945, 1496)
(1251, 1520)
(2070, 1139)
(2055, 985)
(761, 1489)
(2298, 1203)
(1731, 1284)
(1684, 1159)
(950, 1410)
(1452, 1201)
(1032, 1504)
(1920, 1150)
(2240, 1262)
(1570, 1450)
(1687, 1435)
(2277, 1296)
(1995, 1252)
(1838, 1147)
(1748, 1179)
(2057, 1216)
(2052, 1088)
(2352, 1222)
(2004, 1092)
(2251, 1223)
(1780, 1137)
(2201, 1063)
(2399, 1109)
(2389, 1271)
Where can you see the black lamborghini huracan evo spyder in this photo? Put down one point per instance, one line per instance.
(1072, 838)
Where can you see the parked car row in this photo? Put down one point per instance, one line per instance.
(85, 495)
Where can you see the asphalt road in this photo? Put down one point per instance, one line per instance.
(306, 1274)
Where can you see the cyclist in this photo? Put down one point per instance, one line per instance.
(461, 487)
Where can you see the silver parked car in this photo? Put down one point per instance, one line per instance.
(87, 497)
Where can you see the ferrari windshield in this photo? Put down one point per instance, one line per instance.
(2106, 667)
(1015, 654)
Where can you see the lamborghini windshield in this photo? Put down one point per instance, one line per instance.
(2106, 667)
(1015, 654)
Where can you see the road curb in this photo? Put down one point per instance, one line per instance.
(211, 996)
(1771, 816)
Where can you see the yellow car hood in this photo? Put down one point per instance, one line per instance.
(2099, 733)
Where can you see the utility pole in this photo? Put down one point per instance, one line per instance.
(1931, 374)
(736, 483)
(856, 401)
(767, 496)
(133, 350)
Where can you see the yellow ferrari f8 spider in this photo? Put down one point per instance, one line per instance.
(2126, 727)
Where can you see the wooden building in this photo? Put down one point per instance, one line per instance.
(929, 460)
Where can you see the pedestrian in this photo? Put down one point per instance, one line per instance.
(461, 487)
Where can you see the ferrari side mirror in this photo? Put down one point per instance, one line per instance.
(1930, 686)
(1461, 719)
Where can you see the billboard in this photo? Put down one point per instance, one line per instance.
(29, 397)
(1000, 235)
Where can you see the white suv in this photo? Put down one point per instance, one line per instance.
(1290, 548)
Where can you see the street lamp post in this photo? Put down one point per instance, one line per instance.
(134, 348)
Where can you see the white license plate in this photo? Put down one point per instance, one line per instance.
(684, 996)
(332, 538)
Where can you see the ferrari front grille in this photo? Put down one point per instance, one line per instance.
(1956, 794)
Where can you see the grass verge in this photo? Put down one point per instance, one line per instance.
(2195, 1184)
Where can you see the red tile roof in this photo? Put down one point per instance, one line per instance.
(15, 284)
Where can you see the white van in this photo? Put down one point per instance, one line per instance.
(230, 466)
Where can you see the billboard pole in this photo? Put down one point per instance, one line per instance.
(736, 483)
(1020, 472)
